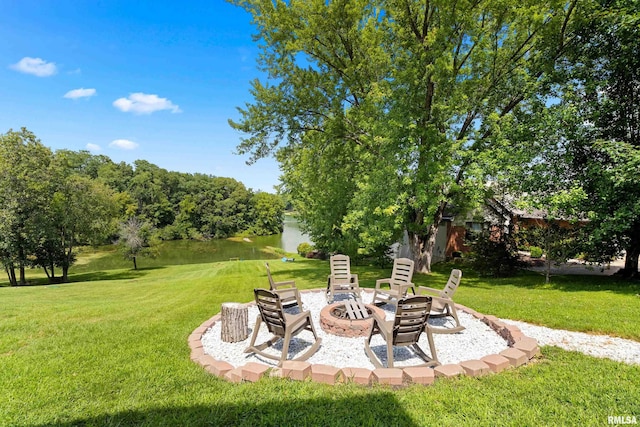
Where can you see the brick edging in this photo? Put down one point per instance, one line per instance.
(521, 350)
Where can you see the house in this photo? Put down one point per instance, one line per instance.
(457, 232)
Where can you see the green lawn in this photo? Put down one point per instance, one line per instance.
(112, 350)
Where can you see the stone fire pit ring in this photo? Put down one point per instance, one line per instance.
(521, 350)
(345, 327)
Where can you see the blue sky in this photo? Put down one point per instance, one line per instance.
(153, 80)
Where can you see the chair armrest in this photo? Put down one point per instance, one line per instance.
(444, 303)
(408, 286)
(382, 281)
(380, 320)
(427, 290)
(289, 283)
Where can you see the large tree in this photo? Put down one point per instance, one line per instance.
(24, 189)
(383, 113)
(605, 73)
(80, 210)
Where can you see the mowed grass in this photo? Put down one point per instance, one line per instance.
(112, 350)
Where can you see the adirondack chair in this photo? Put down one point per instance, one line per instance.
(282, 325)
(443, 305)
(341, 280)
(289, 294)
(394, 288)
(410, 321)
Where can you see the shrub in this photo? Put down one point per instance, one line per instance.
(536, 252)
(495, 256)
(304, 249)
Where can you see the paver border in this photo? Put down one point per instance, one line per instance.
(522, 349)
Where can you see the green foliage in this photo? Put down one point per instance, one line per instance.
(536, 252)
(24, 191)
(495, 255)
(304, 248)
(596, 149)
(52, 202)
(268, 214)
(382, 114)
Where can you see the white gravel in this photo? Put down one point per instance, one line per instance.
(603, 346)
(476, 341)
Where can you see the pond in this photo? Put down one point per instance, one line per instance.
(248, 248)
(178, 252)
(288, 240)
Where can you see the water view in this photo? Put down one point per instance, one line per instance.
(195, 252)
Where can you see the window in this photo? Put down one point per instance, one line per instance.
(472, 231)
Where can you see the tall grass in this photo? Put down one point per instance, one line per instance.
(112, 349)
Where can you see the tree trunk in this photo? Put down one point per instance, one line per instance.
(631, 260)
(12, 275)
(422, 250)
(67, 263)
(21, 258)
(235, 319)
(135, 265)
(422, 245)
(23, 277)
(547, 253)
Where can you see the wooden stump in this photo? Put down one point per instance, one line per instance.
(235, 319)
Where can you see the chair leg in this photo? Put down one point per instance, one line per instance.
(432, 346)
(448, 311)
(329, 293)
(433, 360)
(253, 348)
(389, 354)
(256, 328)
(454, 314)
(375, 329)
(285, 347)
(430, 361)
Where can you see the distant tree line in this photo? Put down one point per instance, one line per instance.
(53, 201)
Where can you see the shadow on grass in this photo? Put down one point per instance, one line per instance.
(533, 280)
(89, 277)
(382, 409)
(112, 275)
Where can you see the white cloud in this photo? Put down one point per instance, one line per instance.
(36, 66)
(124, 144)
(93, 147)
(80, 93)
(142, 103)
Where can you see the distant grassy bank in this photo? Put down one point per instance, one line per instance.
(174, 252)
(112, 350)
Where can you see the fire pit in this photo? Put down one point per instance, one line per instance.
(334, 319)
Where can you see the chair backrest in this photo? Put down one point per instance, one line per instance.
(452, 284)
(412, 314)
(340, 268)
(271, 285)
(270, 307)
(402, 271)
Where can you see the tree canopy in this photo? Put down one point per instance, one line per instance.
(383, 113)
(51, 202)
(582, 159)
